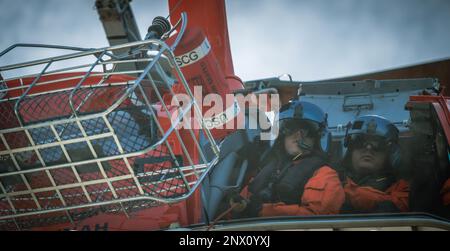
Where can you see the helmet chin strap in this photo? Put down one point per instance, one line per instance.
(297, 156)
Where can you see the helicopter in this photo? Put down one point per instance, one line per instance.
(125, 142)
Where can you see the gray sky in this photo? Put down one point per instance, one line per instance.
(311, 40)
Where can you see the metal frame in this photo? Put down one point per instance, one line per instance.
(164, 58)
(391, 222)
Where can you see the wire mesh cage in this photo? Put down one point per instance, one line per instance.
(73, 143)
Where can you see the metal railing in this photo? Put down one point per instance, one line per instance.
(72, 142)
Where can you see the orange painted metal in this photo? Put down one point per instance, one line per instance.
(211, 16)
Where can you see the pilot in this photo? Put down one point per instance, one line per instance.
(296, 180)
(369, 165)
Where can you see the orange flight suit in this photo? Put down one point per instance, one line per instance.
(366, 198)
(323, 194)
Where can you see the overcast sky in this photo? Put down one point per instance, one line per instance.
(311, 40)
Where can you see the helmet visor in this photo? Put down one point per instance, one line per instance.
(289, 127)
(361, 141)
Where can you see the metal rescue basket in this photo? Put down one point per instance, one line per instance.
(89, 137)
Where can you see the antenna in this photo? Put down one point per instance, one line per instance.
(160, 25)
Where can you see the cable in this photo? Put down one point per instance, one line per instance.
(221, 216)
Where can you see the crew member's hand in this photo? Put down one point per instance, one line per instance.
(254, 206)
(238, 203)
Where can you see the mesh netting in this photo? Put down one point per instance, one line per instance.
(56, 141)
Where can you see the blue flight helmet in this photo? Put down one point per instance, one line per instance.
(376, 126)
(304, 114)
